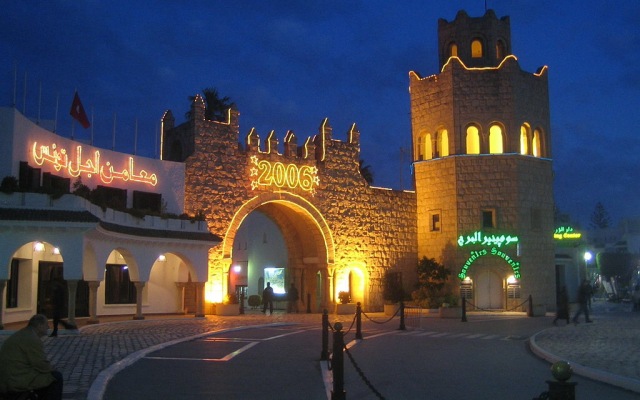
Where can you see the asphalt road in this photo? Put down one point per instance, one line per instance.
(485, 358)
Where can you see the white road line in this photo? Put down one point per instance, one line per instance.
(225, 358)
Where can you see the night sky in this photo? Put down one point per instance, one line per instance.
(287, 65)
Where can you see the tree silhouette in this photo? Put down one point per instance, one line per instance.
(365, 171)
(215, 106)
(600, 217)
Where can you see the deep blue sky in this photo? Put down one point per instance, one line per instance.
(287, 65)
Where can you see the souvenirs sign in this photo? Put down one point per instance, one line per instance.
(489, 245)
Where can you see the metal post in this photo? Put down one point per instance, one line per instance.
(324, 354)
(308, 303)
(359, 321)
(464, 309)
(241, 301)
(402, 326)
(337, 364)
(530, 307)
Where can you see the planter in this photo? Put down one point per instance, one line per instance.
(227, 309)
(450, 312)
(346, 309)
(391, 309)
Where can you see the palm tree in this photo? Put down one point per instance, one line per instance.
(365, 171)
(215, 106)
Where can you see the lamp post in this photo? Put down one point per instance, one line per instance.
(587, 257)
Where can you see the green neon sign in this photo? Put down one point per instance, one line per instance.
(486, 240)
(566, 233)
(492, 244)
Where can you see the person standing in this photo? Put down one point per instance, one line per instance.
(584, 295)
(292, 299)
(24, 366)
(58, 306)
(562, 306)
(267, 299)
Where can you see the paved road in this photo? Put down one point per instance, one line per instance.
(90, 359)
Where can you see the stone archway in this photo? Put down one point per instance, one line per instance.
(308, 240)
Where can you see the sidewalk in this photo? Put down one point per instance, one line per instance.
(606, 350)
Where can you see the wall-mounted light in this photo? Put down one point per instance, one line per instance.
(511, 280)
(38, 246)
(125, 267)
(237, 269)
(162, 258)
(56, 251)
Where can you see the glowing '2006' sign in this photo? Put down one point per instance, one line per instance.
(266, 173)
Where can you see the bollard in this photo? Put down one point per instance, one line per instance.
(402, 327)
(324, 354)
(464, 309)
(308, 303)
(358, 321)
(560, 389)
(530, 307)
(337, 364)
(242, 302)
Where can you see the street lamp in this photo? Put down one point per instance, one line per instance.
(587, 257)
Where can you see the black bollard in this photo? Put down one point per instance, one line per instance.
(324, 354)
(464, 309)
(308, 303)
(359, 321)
(530, 307)
(402, 326)
(242, 302)
(561, 388)
(337, 364)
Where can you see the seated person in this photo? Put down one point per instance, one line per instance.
(24, 366)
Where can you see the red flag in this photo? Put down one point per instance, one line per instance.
(77, 112)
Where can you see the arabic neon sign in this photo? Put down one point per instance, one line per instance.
(493, 240)
(59, 159)
(566, 233)
(265, 173)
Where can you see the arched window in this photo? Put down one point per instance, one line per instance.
(428, 149)
(500, 50)
(473, 140)
(524, 139)
(495, 140)
(537, 150)
(419, 149)
(443, 142)
(453, 50)
(476, 48)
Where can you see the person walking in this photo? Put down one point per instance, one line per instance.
(292, 299)
(267, 299)
(562, 306)
(58, 306)
(584, 294)
(24, 366)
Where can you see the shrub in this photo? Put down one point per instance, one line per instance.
(344, 297)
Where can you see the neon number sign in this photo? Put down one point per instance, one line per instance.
(266, 173)
(59, 159)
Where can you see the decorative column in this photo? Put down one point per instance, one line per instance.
(72, 289)
(199, 299)
(139, 286)
(93, 302)
(181, 288)
(3, 285)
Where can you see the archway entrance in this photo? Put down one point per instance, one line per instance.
(280, 238)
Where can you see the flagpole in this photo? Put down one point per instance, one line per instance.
(55, 120)
(135, 139)
(24, 95)
(39, 100)
(15, 83)
(92, 125)
(113, 144)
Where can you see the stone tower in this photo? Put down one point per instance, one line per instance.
(483, 173)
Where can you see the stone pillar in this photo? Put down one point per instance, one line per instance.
(199, 299)
(139, 286)
(72, 289)
(3, 285)
(93, 302)
(181, 288)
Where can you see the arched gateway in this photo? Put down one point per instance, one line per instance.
(335, 225)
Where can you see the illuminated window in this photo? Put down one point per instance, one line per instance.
(513, 291)
(500, 50)
(453, 50)
(488, 218)
(118, 286)
(275, 276)
(524, 139)
(435, 221)
(428, 148)
(473, 140)
(476, 48)
(536, 143)
(495, 140)
(443, 142)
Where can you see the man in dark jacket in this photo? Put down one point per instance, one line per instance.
(24, 366)
(584, 296)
